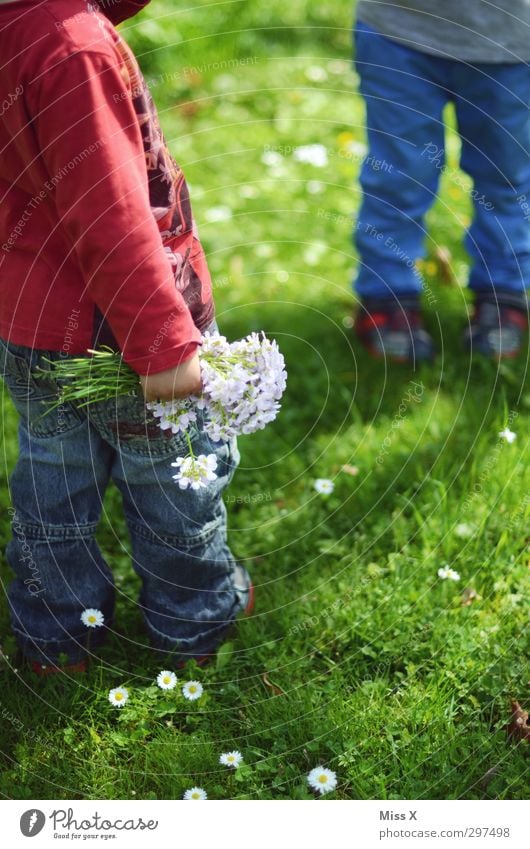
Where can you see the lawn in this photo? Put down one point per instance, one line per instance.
(358, 656)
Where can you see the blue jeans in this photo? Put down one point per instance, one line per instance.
(405, 92)
(66, 459)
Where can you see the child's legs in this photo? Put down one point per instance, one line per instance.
(56, 490)
(178, 536)
(405, 95)
(493, 115)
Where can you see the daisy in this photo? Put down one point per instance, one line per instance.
(195, 793)
(192, 690)
(322, 779)
(232, 759)
(118, 696)
(92, 618)
(166, 680)
(445, 573)
(324, 486)
(508, 435)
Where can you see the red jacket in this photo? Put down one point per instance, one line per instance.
(97, 241)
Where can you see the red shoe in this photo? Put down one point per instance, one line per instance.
(393, 329)
(498, 325)
(43, 670)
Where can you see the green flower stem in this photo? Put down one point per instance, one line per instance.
(190, 446)
(88, 646)
(104, 375)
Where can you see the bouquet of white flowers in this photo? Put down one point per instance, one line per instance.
(243, 383)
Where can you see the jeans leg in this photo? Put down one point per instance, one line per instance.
(493, 115)
(56, 489)
(179, 537)
(405, 95)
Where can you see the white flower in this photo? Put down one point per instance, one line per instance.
(316, 74)
(92, 618)
(195, 472)
(166, 680)
(272, 158)
(243, 382)
(192, 690)
(195, 793)
(174, 415)
(324, 486)
(322, 779)
(508, 435)
(314, 253)
(445, 573)
(463, 530)
(312, 154)
(118, 696)
(232, 759)
(357, 148)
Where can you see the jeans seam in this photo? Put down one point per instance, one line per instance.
(45, 532)
(189, 642)
(187, 542)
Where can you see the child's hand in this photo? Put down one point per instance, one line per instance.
(177, 382)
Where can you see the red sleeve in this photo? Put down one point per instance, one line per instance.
(91, 145)
(119, 10)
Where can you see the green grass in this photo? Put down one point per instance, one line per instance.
(381, 672)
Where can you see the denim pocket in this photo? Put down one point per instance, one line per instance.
(129, 427)
(33, 392)
(17, 368)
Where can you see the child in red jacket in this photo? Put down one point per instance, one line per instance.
(98, 246)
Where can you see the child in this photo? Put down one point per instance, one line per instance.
(98, 246)
(413, 57)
